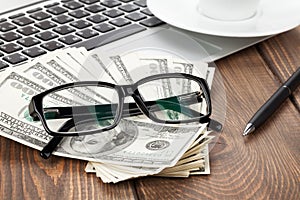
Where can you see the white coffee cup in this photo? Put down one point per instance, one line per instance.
(228, 10)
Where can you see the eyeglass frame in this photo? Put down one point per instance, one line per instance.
(36, 109)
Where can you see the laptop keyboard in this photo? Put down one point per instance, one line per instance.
(88, 23)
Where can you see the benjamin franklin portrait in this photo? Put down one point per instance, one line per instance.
(97, 145)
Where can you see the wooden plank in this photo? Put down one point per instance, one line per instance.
(281, 53)
(25, 175)
(264, 165)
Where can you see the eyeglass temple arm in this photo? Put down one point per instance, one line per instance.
(46, 152)
(106, 111)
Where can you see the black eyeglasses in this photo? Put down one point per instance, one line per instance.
(91, 107)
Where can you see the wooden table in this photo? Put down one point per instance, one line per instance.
(264, 165)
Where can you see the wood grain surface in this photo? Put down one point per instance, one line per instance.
(281, 54)
(264, 165)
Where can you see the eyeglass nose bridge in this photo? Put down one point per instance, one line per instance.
(131, 90)
(127, 90)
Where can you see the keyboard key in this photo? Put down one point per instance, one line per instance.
(129, 7)
(3, 65)
(104, 27)
(147, 12)
(15, 58)
(120, 22)
(89, 1)
(6, 26)
(34, 52)
(16, 15)
(87, 33)
(57, 10)
(110, 3)
(51, 5)
(1, 54)
(10, 36)
(95, 8)
(34, 10)
(45, 24)
(97, 18)
(151, 22)
(40, 15)
(10, 48)
(113, 13)
(52, 45)
(125, 1)
(63, 30)
(136, 16)
(70, 39)
(73, 5)
(81, 24)
(62, 19)
(79, 14)
(28, 42)
(22, 21)
(28, 30)
(47, 35)
(141, 3)
(110, 36)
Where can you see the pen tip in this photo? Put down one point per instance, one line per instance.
(249, 128)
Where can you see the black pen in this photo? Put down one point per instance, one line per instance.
(273, 103)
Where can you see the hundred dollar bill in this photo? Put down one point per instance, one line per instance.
(57, 65)
(20, 89)
(53, 73)
(14, 117)
(14, 114)
(50, 71)
(93, 57)
(175, 64)
(135, 144)
(76, 63)
(74, 59)
(87, 67)
(121, 67)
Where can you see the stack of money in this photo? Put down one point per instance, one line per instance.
(187, 152)
(194, 161)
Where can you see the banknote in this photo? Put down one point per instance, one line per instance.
(14, 115)
(135, 144)
(96, 59)
(195, 164)
(50, 73)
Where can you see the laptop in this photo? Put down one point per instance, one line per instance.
(30, 28)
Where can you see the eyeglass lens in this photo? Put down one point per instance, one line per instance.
(89, 107)
(175, 98)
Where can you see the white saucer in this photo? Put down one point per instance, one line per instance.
(272, 17)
